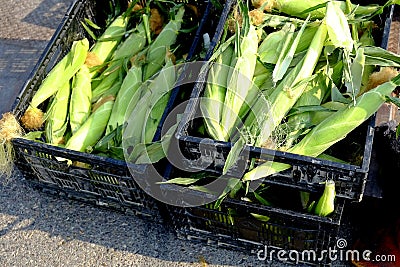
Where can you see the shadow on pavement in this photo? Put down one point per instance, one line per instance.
(48, 13)
(17, 60)
(30, 209)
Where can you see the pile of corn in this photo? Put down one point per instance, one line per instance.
(294, 76)
(86, 99)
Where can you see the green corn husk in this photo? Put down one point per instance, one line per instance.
(326, 203)
(81, 95)
(158, 49)
(93, 128)
(62, 72)
(145, 116)
(57, 116)
(214, 93)
(110, 83)
(298, 8)
(132, 45)
(333, 129)
(58, 76)
(127, 92)
(159, 99)
(344, 121)
(106, 44)
(240, 82)
(285, 95)
(268, 49)
(312, 95)
(111, 79)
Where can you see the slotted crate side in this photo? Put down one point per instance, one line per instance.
(307, 173)
(242, 223)
(95, 179)
(285, 230)
(91, 179)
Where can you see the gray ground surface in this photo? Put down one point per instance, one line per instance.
(39, 229)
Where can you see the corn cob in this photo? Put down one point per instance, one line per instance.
(93, 128)
(287, 53)
(297, 8)
(326, 203)
(106, 44)
(158, 49)
(111, 79)
(127, 93)
(285, 95)
(268, 48)
(59, 75)
(81, 95)
(57, 116)
(312, 95)
(214, 94)
(240, 81)
(146, 114)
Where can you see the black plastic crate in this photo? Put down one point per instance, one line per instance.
(233, 226)
(91, 178)
(198, 153)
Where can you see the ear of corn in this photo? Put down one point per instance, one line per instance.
(111, 79)
(326, 203)
(158, 49)
(57, 116)
(132, 45)
(145, 117)
(214, 93)
(344, 121)
(59, 75)
(312, 95)
(127, 93)
(81, 95)
(315, 8)
(287, 53)
(62, 72)
(338, 27)
(92, 129)
(268, 49)
(240, 82)
(285, 95)
(106, 44)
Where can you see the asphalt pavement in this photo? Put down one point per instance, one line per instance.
(41, 229)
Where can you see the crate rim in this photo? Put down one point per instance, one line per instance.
(189, 113)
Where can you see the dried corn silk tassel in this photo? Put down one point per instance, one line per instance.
(33, 118)
(156, 21)
(9, 129)
(380, 77)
